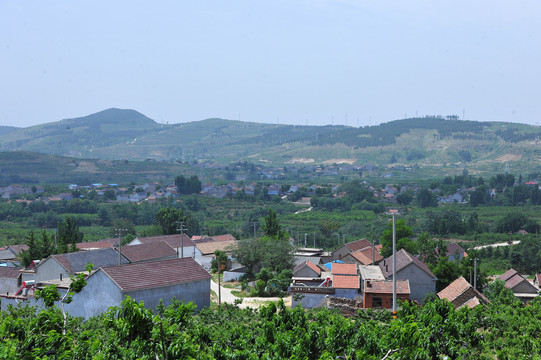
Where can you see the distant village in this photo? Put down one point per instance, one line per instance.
(160, 268)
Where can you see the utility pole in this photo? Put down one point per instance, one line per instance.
(393, 213)
(394, 267)
(305, 235)
(181, 228)
(314, 240)
(475, 273)
(119, 233)
(254, 224)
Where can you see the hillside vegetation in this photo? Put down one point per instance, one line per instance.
(426, 146)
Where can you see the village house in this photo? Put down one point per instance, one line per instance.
(346, 281)
(367, 256)
(205, 251)
(307, 270)
(520, 286)
(10, 279)
(461, 293)
(9, 255)
(62, 266)
(150, 282)
(455, 252)
(350, 247)
(409, 267)
(378, 294)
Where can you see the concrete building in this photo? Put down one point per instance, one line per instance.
(409, 267)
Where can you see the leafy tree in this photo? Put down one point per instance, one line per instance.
(275, 255)
(105, 216)
(405, 198)
(38, 248)
(168, 220)
(499, 294)
(68, 235)
(49, 295)
(426, 198)
(185, 186)
(428, 248)
(272, 226)
(121, 223)
(526, 256)
(109, 194)
(220, 257)
(446, 271)
(403, 241)
(511, 223)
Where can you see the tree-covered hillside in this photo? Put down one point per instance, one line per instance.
(424, 146)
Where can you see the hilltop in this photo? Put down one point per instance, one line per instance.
(433, 145)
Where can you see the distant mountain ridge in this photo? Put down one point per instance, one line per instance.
(115, 134)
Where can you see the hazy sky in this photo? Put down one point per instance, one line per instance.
(287, 61)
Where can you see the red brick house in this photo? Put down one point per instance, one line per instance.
(379, 294)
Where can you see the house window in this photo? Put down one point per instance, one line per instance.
(377, 302)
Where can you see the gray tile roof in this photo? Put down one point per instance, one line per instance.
(155, 274)
(173, 240)
(403, 259)
(77, 261)
(145, 252)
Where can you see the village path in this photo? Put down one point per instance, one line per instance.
(253, 302)
(516, 242)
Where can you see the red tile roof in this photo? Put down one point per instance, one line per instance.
(209, 248)
(173, 240)
(514, 281)
(156, 274)
(358, 245)
(364, 256)
(145, 252)
(10, 272)
(457, 288)
(225, 237)
(454, 289)
(345, 281)
(508, 274)
(344, 269)
(386, 287)
(361, 258)
(452, 248)
(473, 302)
(18, 248)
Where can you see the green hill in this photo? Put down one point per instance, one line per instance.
(36, 168)
(432, 145)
